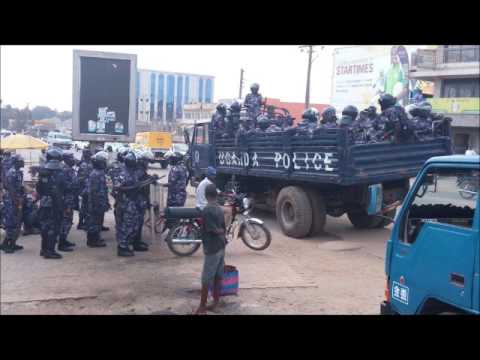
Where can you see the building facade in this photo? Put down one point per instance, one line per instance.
(161, 96)
(455, 71)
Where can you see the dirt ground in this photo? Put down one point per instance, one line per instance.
(338, 272)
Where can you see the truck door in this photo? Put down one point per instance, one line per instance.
(435, 253)
(202, 151)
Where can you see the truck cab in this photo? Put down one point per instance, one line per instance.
(201, 152)
(432, 258)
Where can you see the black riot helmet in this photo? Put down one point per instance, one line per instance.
(310, 115)
(130, 160)
(351, 111)
(263, 122)
(254, 88)
(86, 155)
(424, 110)
(175, 158)
(387, 101)
(68, 158)
(99, 160)
(235, 106)
(54, 154)
(329, 115)
(371, 111)
(121, 154)
(222, 109)
(18, 161)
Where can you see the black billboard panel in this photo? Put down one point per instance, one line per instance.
(104, 96)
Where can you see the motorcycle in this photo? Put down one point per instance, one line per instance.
(468, 187)
(185, 236)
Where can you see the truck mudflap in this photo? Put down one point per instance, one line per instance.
(386, 309)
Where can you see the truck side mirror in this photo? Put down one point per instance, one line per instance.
(375, 199)
(186, 136)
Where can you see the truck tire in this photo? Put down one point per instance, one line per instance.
(294, 212)
(319, 212)
(361, 220)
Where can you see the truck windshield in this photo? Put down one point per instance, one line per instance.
(445, 196)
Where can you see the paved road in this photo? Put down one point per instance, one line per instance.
(338, 272)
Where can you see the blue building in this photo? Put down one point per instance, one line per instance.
(162, 94)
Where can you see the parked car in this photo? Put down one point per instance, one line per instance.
(59, 140)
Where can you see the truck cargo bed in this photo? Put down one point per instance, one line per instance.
(324, 156)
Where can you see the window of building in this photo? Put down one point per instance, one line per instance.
(461, 88)
(461, 53)
(200, 90)
(445, 196)
(208, 91)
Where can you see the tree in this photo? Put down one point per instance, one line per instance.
(42, 112)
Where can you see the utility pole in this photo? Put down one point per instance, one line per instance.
(241, 84)
(309, 49)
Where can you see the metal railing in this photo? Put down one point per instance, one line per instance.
(461, 54)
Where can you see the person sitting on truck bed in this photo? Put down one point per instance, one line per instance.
(329, 118)
(421, 119)
(233, 119)
(349, 115)
(218, 119)
(263, 123)
(309, 120)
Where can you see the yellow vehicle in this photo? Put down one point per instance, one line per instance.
(158, 142)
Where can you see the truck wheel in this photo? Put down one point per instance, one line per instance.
(319, 213)
(391, 214)
(361, 220)
(294, 212)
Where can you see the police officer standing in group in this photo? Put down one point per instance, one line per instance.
(233, 119)
(97, 191)
(84, 170)
(143, 198)
(51, 188)
(6, 164)
(253, 103)
(70, 201)
(13, 202)
(177, 181)
(126, 185)
(114, 172)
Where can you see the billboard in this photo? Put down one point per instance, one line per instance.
(103, 96)
(362, 73)
(467, 106)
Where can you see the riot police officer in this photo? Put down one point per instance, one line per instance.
(13, 202)
(349, 115)
(70, 201)
(397, 127)
(96, 188)
(329, 118)
(50, 188)
(421, 118)
(253, 103)
(5, 165)
(84, 170)
(233, 119)
(263, 124)
(143, 199)
(177, 181)
(218, 119)
(126, 185)
(309, 120)
(114, 172)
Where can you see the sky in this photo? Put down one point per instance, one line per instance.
(42, 75)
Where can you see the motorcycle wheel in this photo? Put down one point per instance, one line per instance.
(466, 195)
(183, 249)
(256, 236)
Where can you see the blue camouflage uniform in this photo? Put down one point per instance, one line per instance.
(84, 171)
(143, 197)
(96, 189)
(253, 103)
(70, 200)
(13, 201)
(114, 172)
(177, 184)
(127, 209)
(50, 188)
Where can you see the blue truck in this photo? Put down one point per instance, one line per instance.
(307, 176)
(433, 255)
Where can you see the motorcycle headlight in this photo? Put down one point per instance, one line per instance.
(246, 203)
